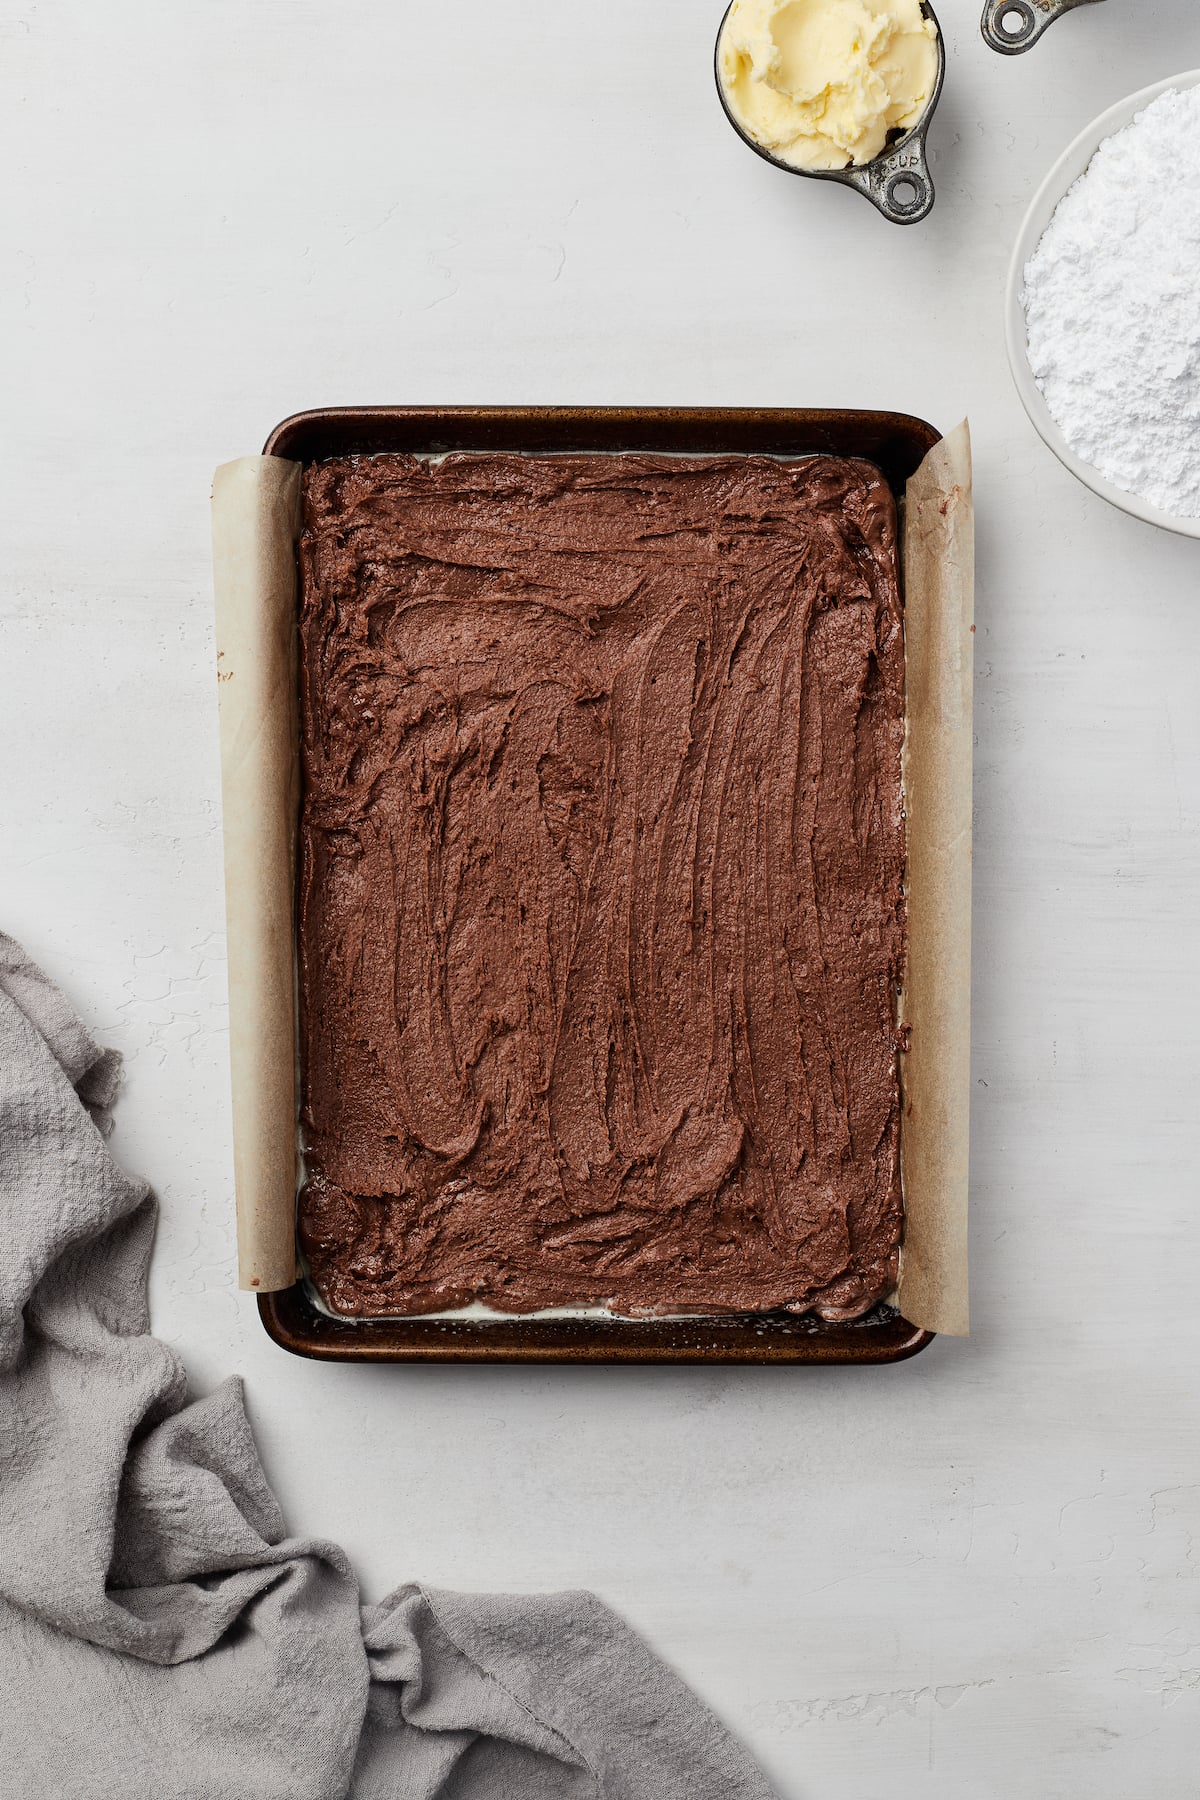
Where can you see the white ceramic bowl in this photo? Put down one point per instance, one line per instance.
(1069, 167)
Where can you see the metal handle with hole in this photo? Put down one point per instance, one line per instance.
(898, 181)
(1014, 26)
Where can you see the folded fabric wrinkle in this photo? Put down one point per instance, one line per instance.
(161, 1636)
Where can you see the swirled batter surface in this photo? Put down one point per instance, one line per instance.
(601, 908)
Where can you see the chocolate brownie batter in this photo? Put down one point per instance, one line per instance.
(601, 910)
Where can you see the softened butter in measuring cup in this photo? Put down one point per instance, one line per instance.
(821, 83)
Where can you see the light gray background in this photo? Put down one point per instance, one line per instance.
(975, 1575)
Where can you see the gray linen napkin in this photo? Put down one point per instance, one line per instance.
(160, 1634)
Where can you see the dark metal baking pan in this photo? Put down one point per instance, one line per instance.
(897, 444)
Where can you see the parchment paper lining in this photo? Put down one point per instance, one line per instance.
(935, 1074)
(256, 520)
(255, 525)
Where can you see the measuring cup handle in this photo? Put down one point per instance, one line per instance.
(1014, 26)
(898, 182)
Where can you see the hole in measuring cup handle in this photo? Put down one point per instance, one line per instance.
(899, 184)
(906, 193)
(1013, 21)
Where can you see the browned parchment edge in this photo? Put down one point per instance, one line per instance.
(935, 1007)
(255, 521)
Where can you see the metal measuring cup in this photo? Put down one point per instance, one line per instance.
(897, 181)
(1013, 26)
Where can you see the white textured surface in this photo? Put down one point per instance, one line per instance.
(975, 1575)
(1112, 307)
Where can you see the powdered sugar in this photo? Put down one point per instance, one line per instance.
(1112, 307)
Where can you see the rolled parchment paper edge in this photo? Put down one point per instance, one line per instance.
(935, 1007)
(255, 522)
